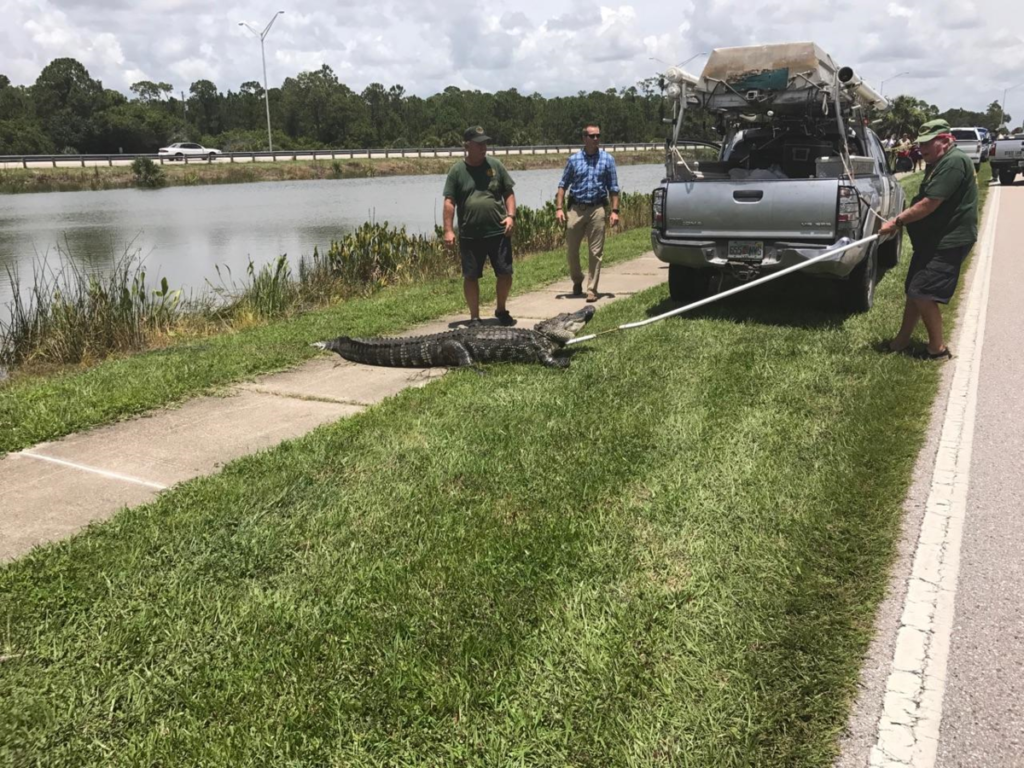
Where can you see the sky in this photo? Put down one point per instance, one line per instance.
(949, 52)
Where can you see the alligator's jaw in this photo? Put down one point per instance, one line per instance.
(565, 326)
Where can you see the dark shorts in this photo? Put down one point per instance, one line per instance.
(477, 251)
(934, 274)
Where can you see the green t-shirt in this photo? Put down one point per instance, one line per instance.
(955, 221)
(479, 194)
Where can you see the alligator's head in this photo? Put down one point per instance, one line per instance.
(565, 326)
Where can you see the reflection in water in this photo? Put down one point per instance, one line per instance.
(183, 233)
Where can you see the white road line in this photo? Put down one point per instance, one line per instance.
(94, 470)
(908, 731)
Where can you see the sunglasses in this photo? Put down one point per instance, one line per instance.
(592, 135)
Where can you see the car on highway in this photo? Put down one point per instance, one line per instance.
(183, 149)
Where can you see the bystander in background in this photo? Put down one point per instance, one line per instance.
(592, 182)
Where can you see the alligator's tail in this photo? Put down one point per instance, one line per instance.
(403, 353)
(342, 345)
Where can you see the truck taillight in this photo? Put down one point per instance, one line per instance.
(848, 213)
(658, 208)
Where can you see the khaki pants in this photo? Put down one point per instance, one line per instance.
(585, 220)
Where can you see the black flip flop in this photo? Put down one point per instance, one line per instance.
(945, 354)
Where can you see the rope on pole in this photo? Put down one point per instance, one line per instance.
(834, 251)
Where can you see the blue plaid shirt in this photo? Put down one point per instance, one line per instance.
(590, 178)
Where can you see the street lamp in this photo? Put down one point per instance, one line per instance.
(882, 88)
(1002, 104)
(266, 90)
(702, 53)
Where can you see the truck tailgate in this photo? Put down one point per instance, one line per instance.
(773, 209)
(1009, 149)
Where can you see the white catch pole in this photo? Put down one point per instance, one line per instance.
(827, 254)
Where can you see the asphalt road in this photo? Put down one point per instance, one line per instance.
(983, 710)
(982, 705)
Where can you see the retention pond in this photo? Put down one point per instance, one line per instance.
(185, 233)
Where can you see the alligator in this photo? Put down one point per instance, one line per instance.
(468, 346)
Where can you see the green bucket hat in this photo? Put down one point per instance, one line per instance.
(931, 129)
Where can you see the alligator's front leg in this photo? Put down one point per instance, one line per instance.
(554, 362)
(455, 354)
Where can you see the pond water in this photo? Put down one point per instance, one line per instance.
(184, 233)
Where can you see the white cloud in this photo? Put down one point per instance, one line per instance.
(900, 11)
(959, 53)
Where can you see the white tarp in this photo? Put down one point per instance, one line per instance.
(803, 60)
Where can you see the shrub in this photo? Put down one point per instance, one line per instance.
(147, 173)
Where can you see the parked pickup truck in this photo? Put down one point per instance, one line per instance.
(1008, 158)
(797, 171)
(973, 144)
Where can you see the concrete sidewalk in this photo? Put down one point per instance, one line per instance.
(943, 684)
(53, 489)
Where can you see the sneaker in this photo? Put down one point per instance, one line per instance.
(473, 322)
(504, 317)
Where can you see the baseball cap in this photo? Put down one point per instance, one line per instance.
(931, 129)
(475, 133)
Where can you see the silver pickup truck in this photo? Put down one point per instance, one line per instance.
(797, 171)
(972, 143)
(1008, 158)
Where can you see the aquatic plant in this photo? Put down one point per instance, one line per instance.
(71, 316)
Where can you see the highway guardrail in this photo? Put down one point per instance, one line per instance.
(313, 154)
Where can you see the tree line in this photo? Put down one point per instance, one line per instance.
(67, 111)
(906, 114)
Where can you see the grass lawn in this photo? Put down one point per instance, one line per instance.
(669, 554)
(44, 408)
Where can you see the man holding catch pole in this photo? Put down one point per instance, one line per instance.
(942, 223)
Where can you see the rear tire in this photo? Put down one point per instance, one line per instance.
(1006, 177)
(858, 290)
(686, 285)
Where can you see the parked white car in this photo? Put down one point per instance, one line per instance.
(972, 143)
(183, 149)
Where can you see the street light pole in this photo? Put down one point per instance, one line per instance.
(1002, 104)
(882, 88)
(266, 89)
(702, 53)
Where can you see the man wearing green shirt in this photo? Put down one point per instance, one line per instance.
(942, 222)
(480, 190)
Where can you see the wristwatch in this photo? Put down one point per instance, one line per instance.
(615, 210)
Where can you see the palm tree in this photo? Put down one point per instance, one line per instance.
(906, 114)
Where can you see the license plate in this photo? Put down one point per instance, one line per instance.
(746, 250)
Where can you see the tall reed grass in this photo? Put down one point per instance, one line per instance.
(71, 316)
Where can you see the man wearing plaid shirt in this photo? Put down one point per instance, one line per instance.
(592, 182)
